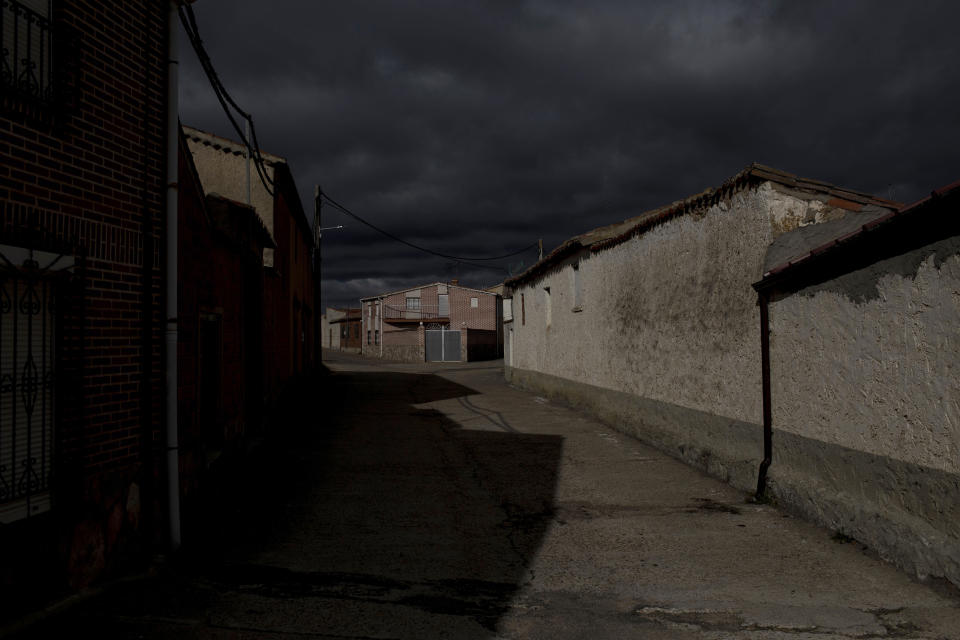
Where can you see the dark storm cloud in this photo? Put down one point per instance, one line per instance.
(476, 128)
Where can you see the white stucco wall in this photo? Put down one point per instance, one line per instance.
(669, 315)
(874, 370)
(866, 405)
(331, 339)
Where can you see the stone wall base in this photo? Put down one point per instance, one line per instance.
(909, 514)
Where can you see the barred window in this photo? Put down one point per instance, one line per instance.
(26, 67)
(28, 365)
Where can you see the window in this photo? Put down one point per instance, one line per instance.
(508, 310)
(413, 304)
(474, 303)
(343, 331)
(28, 368)
(376, 336)
(548, 309)
(368, 336)
(577, 289)
(443, 305)
(27, 48)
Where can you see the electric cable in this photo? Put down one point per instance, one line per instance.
(189, 22)
(459, 259)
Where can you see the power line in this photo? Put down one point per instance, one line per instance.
(189, 22)
(459, 259)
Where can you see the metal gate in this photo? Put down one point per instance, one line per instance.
(441, 345)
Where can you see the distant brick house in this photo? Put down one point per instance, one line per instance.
(433, 322)
(289, 288)
(343, 328)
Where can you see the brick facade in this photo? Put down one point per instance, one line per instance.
(289, 289)
(84, 177)
(220, 353)
(403, 325)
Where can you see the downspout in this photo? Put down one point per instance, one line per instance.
(380, 310)
(171, 301)
(147, 455)
(763, 301)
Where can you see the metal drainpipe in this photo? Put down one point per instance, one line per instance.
(171, 302)
(763, 301)
(147, 455)
(380, 310)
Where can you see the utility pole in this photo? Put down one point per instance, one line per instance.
(317, 270)
(246, 134)
(317, 287)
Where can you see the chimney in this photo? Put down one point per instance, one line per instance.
(454, 281)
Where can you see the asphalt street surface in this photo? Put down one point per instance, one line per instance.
(435, 501)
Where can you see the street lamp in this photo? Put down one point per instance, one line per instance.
(321, 230)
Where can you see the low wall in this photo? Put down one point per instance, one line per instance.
(908, 513)
(871, 498)
(403, 353)
(726, 448)
(865, 405)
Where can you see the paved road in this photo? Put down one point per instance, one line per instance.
(435, 501)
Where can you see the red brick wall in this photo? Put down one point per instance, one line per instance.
(94, 182)
(220, 279)
(462, 314)
(290, 303)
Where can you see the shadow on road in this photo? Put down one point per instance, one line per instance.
(368, 514)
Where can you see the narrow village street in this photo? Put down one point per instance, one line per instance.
(435, 501)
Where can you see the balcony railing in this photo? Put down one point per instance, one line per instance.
(423, 313)
(37, 58)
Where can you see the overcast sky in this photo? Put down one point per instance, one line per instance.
(475, 128)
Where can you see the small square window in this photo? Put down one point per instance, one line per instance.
(474, 302)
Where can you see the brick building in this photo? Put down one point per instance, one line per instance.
(82, 140)
(434, 322)
(88, 139)
(220, 318)
(289, 289)
(342, 329)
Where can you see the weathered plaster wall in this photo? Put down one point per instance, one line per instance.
(669, 316)
(865, 395)
(223, 171)
(330, 331)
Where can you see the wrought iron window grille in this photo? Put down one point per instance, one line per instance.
(29, 330)
(38, 60)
